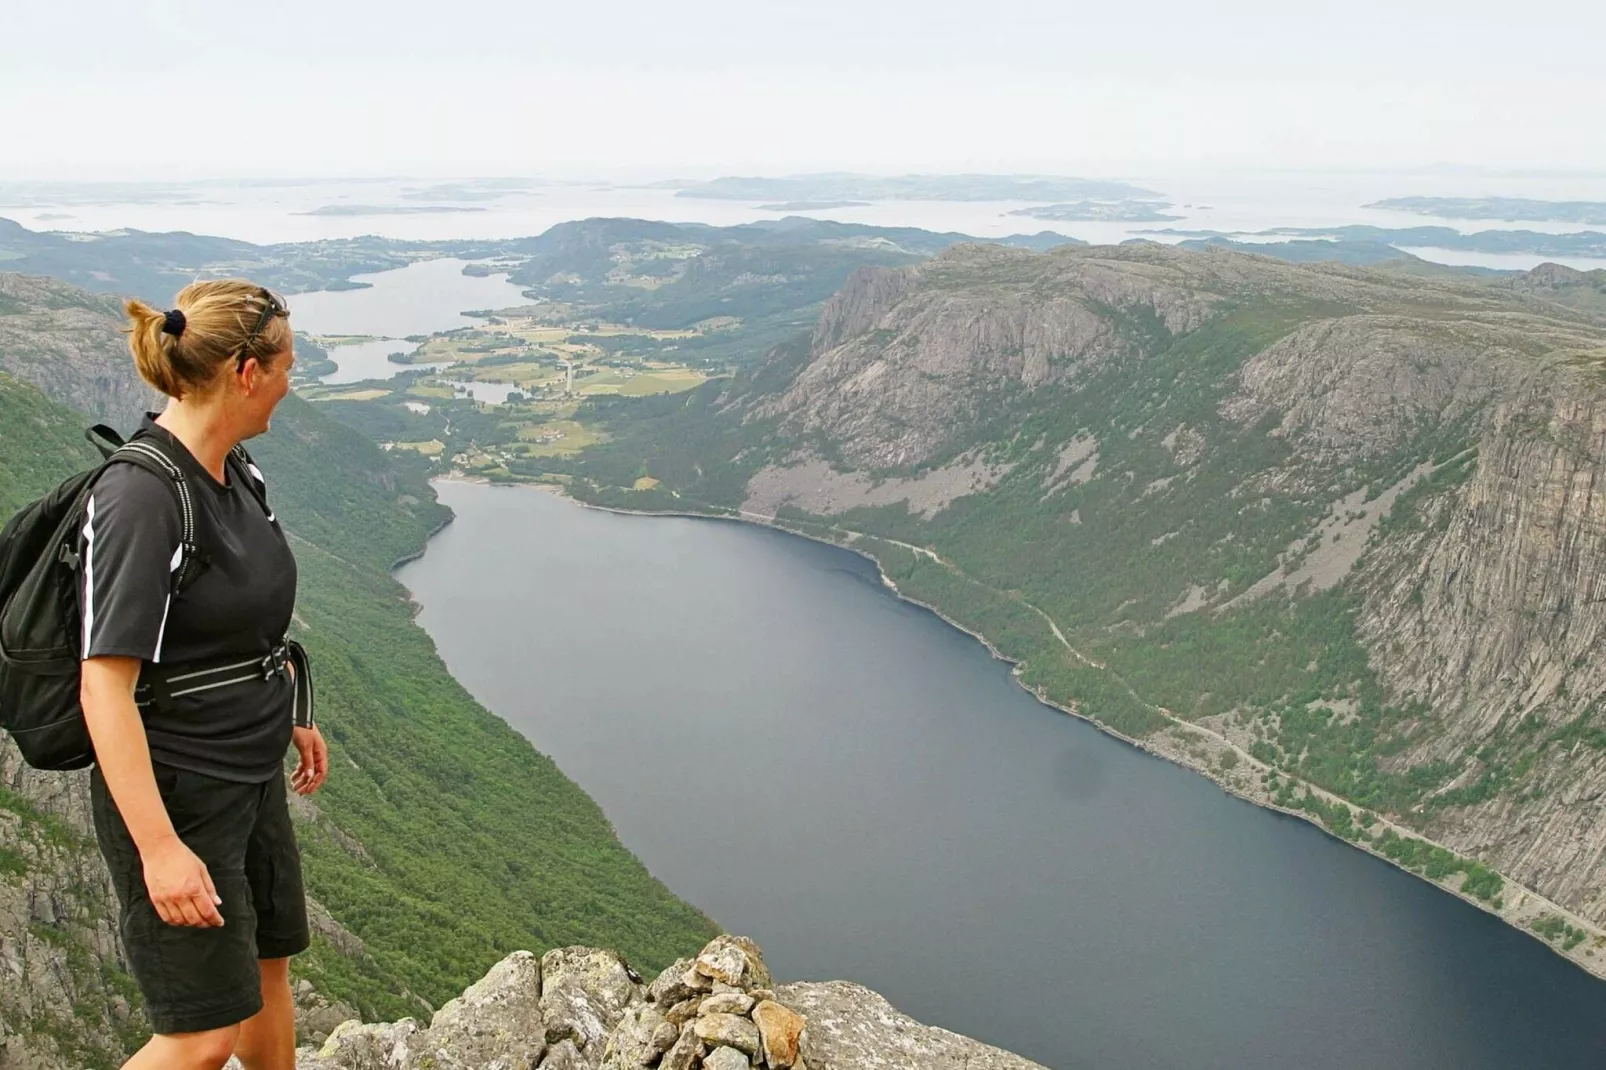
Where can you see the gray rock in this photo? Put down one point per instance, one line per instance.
(671, 987)
(355, 1046)
(584, 994)
(565, 1056)
(853, 1028)
(632, 1044)
(496, 1023)
(735, 960)
(728, 1029)
(685, 1053)
(726, 1059)
(664, 1037)
(726, 1003)
(684, 1011)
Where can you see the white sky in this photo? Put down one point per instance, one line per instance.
(149, 89)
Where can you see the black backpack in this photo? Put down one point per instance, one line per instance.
(40, 644)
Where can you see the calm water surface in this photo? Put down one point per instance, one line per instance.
(869, 795)
(422, 298)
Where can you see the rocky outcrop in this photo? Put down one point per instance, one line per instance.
(585, 1009)
(65, 341)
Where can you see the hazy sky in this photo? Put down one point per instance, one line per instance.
(198, 88)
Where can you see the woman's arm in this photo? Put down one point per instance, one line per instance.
(180, 888)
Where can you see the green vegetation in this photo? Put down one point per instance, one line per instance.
(1558, 931)
(444, 840)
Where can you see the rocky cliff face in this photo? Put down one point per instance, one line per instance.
(58, 337)
(585, 1009)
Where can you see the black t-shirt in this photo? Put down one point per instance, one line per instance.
(238, 727)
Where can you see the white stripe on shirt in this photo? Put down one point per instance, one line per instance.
(89, 572)
(178, 559)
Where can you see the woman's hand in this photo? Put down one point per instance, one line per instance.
(313, 769)
(180, 888)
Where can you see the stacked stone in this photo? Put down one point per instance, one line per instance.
(579, 1008)
(717, 1012)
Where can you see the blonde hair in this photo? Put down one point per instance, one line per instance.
(219, 315)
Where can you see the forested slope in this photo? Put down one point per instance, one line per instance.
(443, 839)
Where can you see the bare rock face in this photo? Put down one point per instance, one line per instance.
(496, 1022)
(850, 1027)
(66, 343)
(584, 995)
(908, 362)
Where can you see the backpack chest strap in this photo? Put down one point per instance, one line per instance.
(159, 685)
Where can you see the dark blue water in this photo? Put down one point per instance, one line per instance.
(864, 791)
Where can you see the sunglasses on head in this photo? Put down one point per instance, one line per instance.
(272, 305)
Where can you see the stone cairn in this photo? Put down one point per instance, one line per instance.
(718, 1011)
(584, 1009)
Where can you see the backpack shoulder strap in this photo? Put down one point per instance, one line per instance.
(105, 439)
(144, 452)
(248, 471)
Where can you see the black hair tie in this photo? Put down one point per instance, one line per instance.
(173, 322)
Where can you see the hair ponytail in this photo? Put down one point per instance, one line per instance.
(214, 329)
(153, 347)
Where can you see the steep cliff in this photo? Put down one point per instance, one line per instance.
(1330, 535)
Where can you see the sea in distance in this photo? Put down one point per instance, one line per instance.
(870, 795)
(442, 209)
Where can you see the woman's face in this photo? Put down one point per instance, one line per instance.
(262, 387)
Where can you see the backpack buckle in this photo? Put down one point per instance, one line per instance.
(274, 662)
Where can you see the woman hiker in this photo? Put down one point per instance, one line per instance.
(188, 696)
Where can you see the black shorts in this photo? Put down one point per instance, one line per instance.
(198, 979)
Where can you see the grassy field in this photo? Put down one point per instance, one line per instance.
(528, 350)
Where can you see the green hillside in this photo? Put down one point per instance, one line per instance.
(443, 840)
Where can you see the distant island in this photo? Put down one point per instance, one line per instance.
(850, 187)
(810, 206)
(386, 209)
(1506, 209)
(1589, 243)
(1100, 212)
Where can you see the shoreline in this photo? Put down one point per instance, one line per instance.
(1523, 905)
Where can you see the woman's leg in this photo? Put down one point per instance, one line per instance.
(186, 1051)
(268, 1038)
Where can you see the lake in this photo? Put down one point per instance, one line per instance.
(422, 298)
(867, 793)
